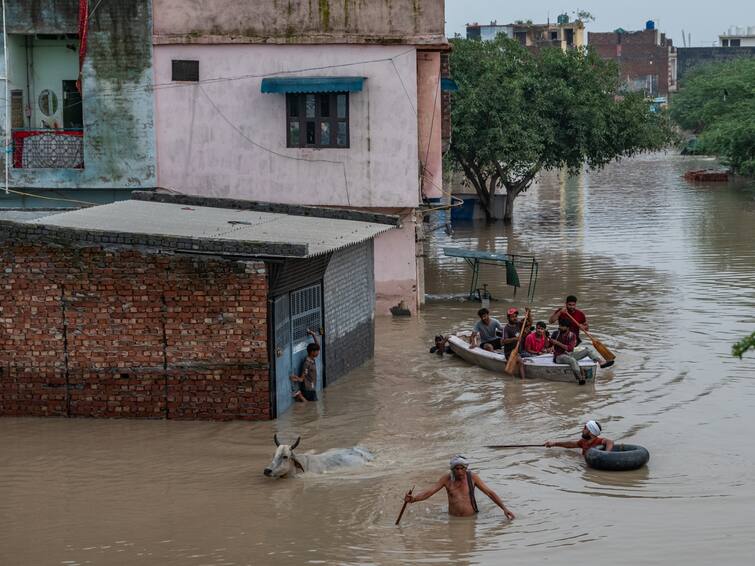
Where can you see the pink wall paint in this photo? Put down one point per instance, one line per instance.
(430, 122)
(237, 148)
(396, 267)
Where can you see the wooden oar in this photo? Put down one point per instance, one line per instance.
(499, 446)
(607, 354)
(403, 507)
(514, 355)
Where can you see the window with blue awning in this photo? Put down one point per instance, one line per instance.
(284, 85)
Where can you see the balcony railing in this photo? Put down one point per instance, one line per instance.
(48, 149)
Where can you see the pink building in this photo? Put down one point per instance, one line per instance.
(314, 103)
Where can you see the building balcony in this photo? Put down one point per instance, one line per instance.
(48, 149)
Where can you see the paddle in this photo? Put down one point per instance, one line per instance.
(514, 355)
(607, 354)
(499, 446)
(403, 507)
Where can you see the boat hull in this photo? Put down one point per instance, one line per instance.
(538, 367)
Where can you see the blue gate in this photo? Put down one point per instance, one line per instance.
(294, 313)
(283, 397)
(306, 313)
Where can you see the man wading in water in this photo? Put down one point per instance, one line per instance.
(460, 484)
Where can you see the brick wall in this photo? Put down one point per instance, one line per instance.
(349, 288)
(116, 332)
(639, 54)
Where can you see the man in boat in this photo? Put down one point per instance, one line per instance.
(536, 343)
(564, 341)
(460, 484)
(590, 439)
(488, 330)
(576, 314)
(511, 331)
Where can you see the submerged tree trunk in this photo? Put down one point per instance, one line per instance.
(508, 213)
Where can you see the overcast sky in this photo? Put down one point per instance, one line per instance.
(704, 20)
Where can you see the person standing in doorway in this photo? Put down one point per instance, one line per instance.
(307, 381)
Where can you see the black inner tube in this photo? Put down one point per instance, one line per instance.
(621, 458)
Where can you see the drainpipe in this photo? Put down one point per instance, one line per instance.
(7, 103)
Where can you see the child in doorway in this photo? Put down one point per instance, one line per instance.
(307, 381)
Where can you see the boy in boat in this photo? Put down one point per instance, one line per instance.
(590, 439)
(307, 381)
(578, 316)
(488, 329)
(460, 484)
(441, 346)
(564, 341)
(536, 343)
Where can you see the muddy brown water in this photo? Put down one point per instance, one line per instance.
(666, 273)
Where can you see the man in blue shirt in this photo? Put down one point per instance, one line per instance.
(489, 330)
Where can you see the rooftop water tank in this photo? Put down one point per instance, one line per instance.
(650, 24)
(563, 19)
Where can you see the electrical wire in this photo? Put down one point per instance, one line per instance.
(52, 198)
(272, 151)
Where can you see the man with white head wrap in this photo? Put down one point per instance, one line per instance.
(590, 439)
(460, 483)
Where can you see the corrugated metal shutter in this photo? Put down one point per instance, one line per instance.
(296, 273)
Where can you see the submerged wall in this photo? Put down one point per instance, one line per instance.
(102, 332)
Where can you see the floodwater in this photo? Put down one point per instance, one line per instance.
(666, 273)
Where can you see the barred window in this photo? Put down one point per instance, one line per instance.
(317, 120)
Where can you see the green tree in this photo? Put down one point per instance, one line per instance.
(517, 113)
(717, 102)
(743, 345)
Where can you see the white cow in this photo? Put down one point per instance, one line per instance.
(286, 464)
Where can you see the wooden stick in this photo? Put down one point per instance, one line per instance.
(497, 446)
(403, 507)
(514, 355)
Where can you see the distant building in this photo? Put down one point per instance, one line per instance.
(738, 37)
(647, 59)
(690, 58)
(563, 34)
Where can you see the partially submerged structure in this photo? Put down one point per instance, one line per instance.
(168, 306)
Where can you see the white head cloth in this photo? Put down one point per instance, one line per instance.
(593, 427)
(458, 460)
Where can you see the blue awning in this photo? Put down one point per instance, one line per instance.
(448, 85)
(312, 84)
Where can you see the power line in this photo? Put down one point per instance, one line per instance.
(272, 151)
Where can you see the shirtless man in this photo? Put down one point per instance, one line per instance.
(461, 500)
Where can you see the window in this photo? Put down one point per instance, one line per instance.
(735, 43)
(185, 70)
(724, 43)
(317, 120)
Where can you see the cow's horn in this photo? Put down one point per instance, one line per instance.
(275, 439)
(295, 444)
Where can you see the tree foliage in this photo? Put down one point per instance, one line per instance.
(746, 343)
(718, 103)
(517, 113)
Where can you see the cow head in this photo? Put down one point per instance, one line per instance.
(284, 461)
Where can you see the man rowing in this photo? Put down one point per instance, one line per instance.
(570, 309)
(564, 341)
(590, 439)
(460, 484)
